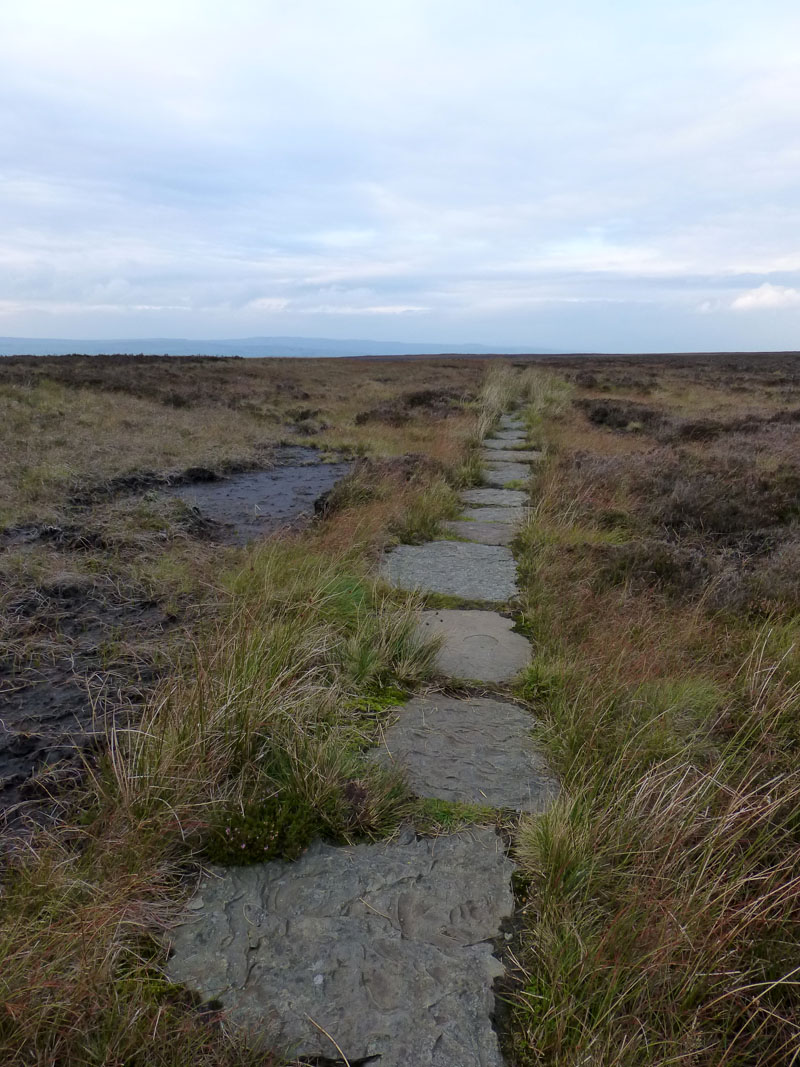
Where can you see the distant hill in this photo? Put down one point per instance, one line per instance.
(246, 346)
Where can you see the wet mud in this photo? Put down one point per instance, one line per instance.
(257, 503)
(88, 662)
(89, 647)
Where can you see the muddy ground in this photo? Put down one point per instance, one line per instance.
(247, 506)
(709, 441)
(84, 649)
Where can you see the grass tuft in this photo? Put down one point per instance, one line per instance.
(422, 520)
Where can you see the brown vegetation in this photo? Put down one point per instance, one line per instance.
(212, 688)
(103, 579)
(660, 572)
(660, 897)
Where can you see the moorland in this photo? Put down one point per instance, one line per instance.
(158, 680)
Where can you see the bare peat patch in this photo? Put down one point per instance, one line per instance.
(251, 505)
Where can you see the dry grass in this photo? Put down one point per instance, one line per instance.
(661, 918)
(59, 441)
(71, 422)
(285, 695)
(254, 740)
(663, 910)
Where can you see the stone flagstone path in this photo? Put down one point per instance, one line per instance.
(485, 533)
(470, 750)
(507, 455)
(507, 441)
(478, 645)
(502, 498)
(455, 568)
(514, 436)
(487, 514)
(386, 946)
(500, 474)
(383, 953)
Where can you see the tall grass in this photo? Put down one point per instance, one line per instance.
(258, 748)
(277, 701)
(662, 920)
(422, 520)
(81, 960)
(539, 393)
(500, 392)
(258, 741)
(543, 393)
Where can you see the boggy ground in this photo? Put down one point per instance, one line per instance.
(700, 459)
(658, 897)
(660, 586)
(232, 691)
(123, 479)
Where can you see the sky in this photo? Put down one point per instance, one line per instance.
(615, 176)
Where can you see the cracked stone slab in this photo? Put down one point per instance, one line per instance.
(508, 436)
(384, 946)
(503, 498)
(485, 533)
(500, 474)
(502, 441)
(510, 515)
(474, 751)
(511, 422)
(479, 646)
(511, 455)
(463, 569)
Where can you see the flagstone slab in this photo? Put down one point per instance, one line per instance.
(506, 440)
(503, 498)
(486, 533)
(478, 646)
(471, 751)
(386, 947)
(511, 455)
(514, 436)
(500, 474)
(462, 569)
(511, 424)
(512, 516)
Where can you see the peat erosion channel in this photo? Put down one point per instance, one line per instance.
(387, 953)
(52, 710)
(252, 505)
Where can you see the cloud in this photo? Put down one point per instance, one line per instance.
(583, 173)
(767, 297)
(375, 309)
(268, 303)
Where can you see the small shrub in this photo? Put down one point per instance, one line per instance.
(719, 496)
(622, 415)
(423, 518)
(279, 828)
(467, 474)
(776, 580)
(653, 564)
(371, 804)
(543, 682)
(427, 403)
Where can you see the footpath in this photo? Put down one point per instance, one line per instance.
(386, 953)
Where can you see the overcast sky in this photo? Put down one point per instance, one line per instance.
(617, 175)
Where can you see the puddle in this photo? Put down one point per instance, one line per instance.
(257, 503)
